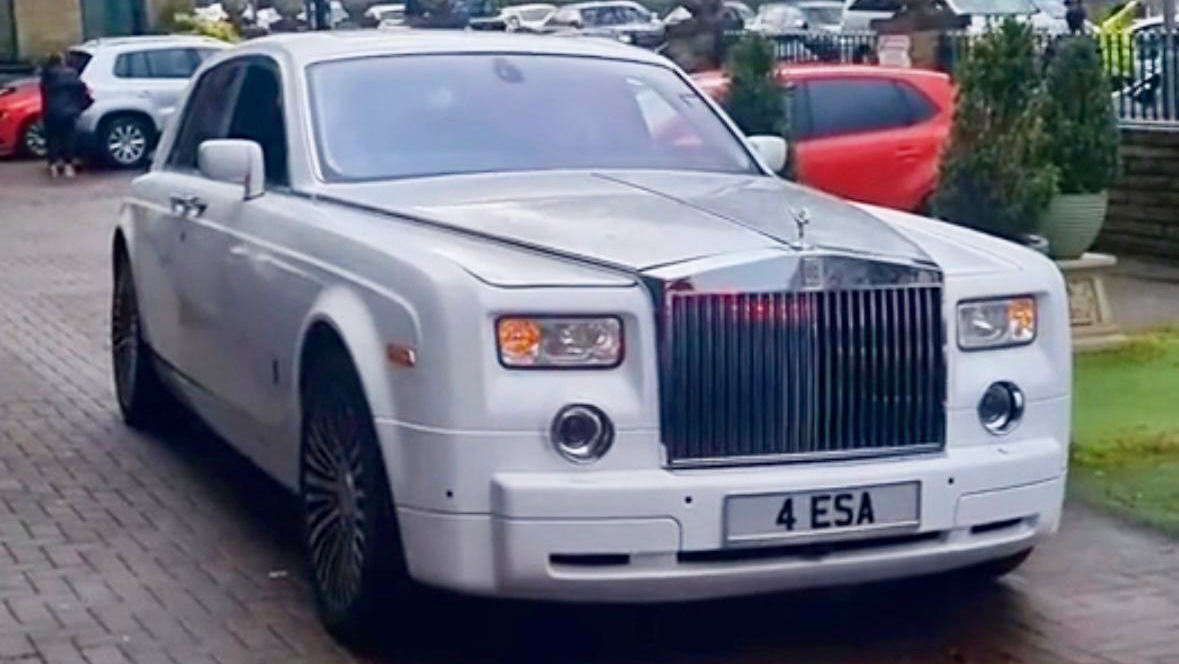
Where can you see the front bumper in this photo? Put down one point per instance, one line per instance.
(657, 535)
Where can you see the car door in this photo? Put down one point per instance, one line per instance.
(199, 208)
(268, 287)
(859, 142)
(169, 244)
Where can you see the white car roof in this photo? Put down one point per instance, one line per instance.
(310, 47)
(162, 41)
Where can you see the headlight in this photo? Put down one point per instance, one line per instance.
(558, 342)
(997, 323)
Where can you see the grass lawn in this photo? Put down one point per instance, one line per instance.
(1125, 453)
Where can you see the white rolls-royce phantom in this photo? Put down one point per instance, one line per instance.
(529, 317)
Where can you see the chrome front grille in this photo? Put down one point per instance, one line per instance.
(764, 377)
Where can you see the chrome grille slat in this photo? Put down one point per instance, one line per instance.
(778, 376)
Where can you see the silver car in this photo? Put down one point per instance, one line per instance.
(529, 317)
(136, 83)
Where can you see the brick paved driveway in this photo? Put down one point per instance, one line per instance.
(119, 547)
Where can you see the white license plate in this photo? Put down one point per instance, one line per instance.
(825, 514)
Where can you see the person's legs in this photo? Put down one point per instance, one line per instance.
(70, 144)
(54, 144)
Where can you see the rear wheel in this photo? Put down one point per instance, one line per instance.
(126, 141)
(349, 527)
(32, 140)
(143, 399)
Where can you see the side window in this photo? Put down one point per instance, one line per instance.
(258, 117)
(172, 63)
(132, 65)
(206, 115)
(920, 107)
(850, 106)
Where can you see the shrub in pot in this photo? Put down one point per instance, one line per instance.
(1083, 144)
(996, 174)
(755, 100)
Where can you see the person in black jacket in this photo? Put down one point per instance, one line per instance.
(63, 98)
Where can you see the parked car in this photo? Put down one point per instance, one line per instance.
(21, 131)
(1045, 16)
(734, 15)
(870, 134)
(782, 17)
(623, 20)
(387, 14)
(581, 345)
(527, 18)
(135, 82)
(518, 18)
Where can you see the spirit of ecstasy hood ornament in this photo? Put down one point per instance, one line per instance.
(802, 218)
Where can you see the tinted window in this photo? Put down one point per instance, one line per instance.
(132, 65)
(920, 108)
(258, 117)
(408, 116)
(173, 62)
(852, 106)
(206, 115)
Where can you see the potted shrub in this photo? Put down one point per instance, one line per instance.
(1083, 144)
(996, 173)
(755, 100)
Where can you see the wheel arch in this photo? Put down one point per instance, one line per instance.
(340, 316)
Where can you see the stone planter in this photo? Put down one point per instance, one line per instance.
(1072, 221)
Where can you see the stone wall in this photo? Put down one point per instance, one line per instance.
(1144, 203)
(43, 26)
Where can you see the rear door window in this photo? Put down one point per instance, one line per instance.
(920, 107)
(132, 65)
(852, 106)
(173, 62)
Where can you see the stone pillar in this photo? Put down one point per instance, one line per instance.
(1090, 316)
(44, 26)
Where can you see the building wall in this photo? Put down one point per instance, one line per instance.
(43, 26)
(1144, 202)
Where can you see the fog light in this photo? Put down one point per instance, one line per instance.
(1001, 407)
(581, 433)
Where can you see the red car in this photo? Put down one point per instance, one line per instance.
(866, 133)
(21, 132)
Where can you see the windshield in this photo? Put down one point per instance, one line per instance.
(408, 116)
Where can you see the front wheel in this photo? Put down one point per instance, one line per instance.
(126, 141)
(349, 527)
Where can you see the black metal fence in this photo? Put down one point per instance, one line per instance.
(1138, 65)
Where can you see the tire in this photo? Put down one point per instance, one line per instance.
(347, 506)
(144, 400)
(32, 140)
(994, 569)
(125, 141)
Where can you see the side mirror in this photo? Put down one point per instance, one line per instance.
(236, 162)
(772, 150)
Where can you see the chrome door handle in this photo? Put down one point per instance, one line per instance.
(187, 205)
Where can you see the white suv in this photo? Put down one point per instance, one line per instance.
(136, 83)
